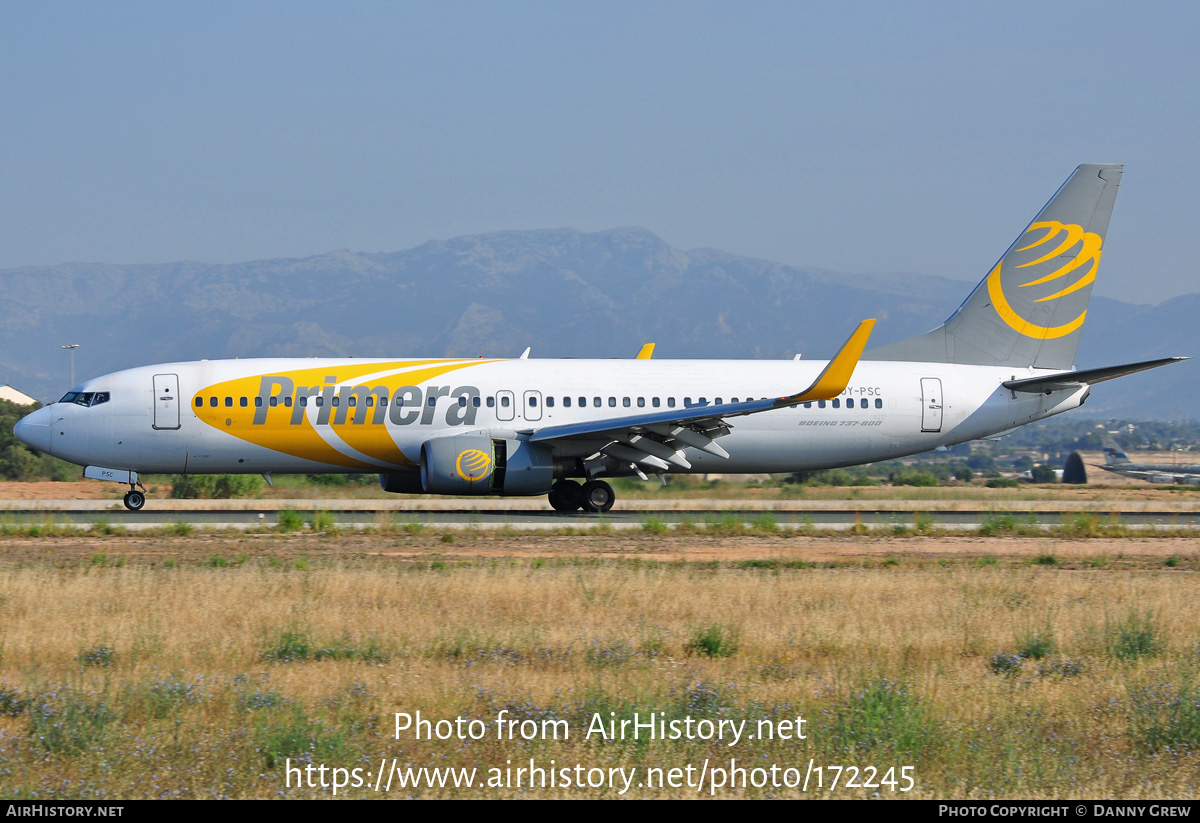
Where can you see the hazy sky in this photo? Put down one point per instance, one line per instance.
(853, 136)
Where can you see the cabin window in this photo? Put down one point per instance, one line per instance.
(212, 402)
(229, 402)
(641, 401)
(837, 404)
(670, 402)
(243, 402)
(287, 401)
(550, 402)
(199, 401)
(625, 402)
(352, 401)
(475, 401)
(597, 402)
(612, 402)
(258, 402)
(320, 401)
(503, 402)
(687, 401)
(337, 401)
(433, 402)
(303, 401)
(878, 403)
(808, 405)
(274, 402)
(849, 402)
(370, 401)
(491, 402)
(462, 401)
(583, 402)
(654, 401)
(533, 402)
(820, 404)
(567, 402)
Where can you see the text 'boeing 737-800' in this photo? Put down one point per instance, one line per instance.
(559, 427)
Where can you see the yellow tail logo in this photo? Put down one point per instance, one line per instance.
(1089, 245)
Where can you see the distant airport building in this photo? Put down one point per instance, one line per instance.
(13, 396)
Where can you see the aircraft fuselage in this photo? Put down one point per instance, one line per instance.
(322, 415)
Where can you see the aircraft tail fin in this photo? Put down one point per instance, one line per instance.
(1029, 309)
(1114, 455)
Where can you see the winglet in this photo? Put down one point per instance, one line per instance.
(833, 380)
(647, 352)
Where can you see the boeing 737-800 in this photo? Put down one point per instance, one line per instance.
(559, 427)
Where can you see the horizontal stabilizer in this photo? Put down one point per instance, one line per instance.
(1075, 379)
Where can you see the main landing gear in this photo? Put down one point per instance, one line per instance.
(134, 499)
(593, 496)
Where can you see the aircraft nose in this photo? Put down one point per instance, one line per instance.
(34, 430)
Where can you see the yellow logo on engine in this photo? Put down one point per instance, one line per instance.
(473, 464)
(1071, 236)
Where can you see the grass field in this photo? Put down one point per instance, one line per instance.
(202, 665)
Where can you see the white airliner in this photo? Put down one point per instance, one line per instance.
(527, 427)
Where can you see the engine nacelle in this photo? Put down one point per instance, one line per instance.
(477, 464)
(529, 468)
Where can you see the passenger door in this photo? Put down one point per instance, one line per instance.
(931, 404)
(166, 401)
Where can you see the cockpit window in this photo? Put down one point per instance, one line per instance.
(85, 398)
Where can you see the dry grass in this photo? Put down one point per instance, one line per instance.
(197, 679)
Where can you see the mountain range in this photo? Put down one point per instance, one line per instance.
(565, 293)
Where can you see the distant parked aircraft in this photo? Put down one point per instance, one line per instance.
(1115, 460)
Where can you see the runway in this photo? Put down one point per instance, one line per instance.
(632, 514)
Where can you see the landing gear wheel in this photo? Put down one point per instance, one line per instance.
(566, 496)
(598, 496)
(134, 500)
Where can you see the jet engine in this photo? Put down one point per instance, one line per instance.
(477, 464)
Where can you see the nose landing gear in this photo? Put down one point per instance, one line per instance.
(134, 499)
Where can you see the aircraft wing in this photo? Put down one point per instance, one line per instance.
(657, 439)
(1075, 379)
